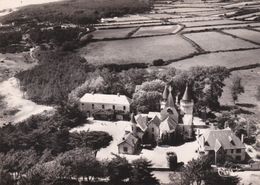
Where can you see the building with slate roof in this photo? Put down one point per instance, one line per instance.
(170, 126)
(222, 142)
(91, 103)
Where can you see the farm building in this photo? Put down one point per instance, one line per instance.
(222, 142)
(118, 105)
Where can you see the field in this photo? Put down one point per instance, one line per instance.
(155, 30)
(141, 50)
(227, 59)
(212, 22)
(112, 33)
(214, 41)
(245, 34)
(247, 100)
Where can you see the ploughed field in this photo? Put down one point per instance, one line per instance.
(184, 34)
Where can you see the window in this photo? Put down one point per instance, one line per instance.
(125, 149)
(124, 108)
(152, 129)
(152, 135)
(114, 107)
(103, 106)
(238, 158)
(93, 106)
(238, 150)
(232, 151)
(82, 104)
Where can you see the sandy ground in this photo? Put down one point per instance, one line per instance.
(15, 99)
(158, 155)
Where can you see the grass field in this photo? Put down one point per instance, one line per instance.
(141, 50)
(212, 22)
(111, 33)
(227, 59)
(214, 41)
(247, 100)
(155, 30)
(245, 34)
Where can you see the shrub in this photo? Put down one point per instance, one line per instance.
(158, 62)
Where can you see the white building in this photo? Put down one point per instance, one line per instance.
(92, 102)
(222, 142)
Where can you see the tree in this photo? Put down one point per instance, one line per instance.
(82, 163)
(91, 139)
(236, 88)
(6, 178)
(141, 173)
(147, 96)
(118, 169)
(200, 170)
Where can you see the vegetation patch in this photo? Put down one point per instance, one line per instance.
(76, 11)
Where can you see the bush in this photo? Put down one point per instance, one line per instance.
(158, 62)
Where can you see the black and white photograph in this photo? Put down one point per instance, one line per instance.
(129, 92)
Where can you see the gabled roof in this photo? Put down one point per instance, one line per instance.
(151, 115)
(168, 125)
(186, 95)
(225, 138)
(170, 111)
(155, 121)
(106, 99)
(130, 139)
(141, 122)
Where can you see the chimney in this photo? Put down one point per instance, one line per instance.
(118, 94)
(242, 138)
(92, 92)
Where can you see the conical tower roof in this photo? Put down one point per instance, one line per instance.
(187, 95)
(170, 100)
(165, 92)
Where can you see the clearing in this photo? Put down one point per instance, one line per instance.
(139, 50)
(14, 98)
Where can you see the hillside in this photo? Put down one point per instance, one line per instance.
(76, 11)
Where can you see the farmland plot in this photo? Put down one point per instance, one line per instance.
(112, 33)
(246, 34)
(227, 59)
(203, 28)
(212, 22)
(155, 30)
(137, 50)
(214, 41)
